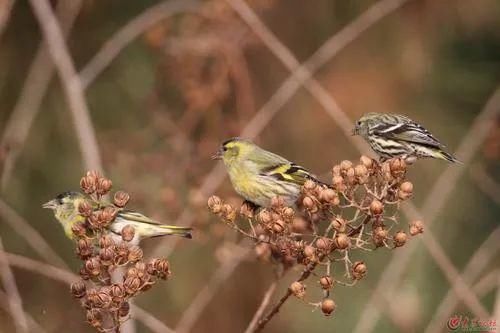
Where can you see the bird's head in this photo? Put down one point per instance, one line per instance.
(65, 205)
(234, 150)
(363, 125)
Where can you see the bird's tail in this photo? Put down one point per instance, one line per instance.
(441, 154)
(174, 230)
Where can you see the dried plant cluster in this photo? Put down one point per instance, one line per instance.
(104, 291)
(330, 224)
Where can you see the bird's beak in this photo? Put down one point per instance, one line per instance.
(50, 204)
(218, 155)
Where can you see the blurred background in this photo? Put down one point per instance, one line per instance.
(164, 83)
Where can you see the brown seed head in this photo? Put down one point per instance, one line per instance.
(108, 215)
(279, 226)
(379, 236)
(309, 251)
(247, 210)
(94, 317)
(84, 248)
(214, 203)
(310, 185)
(400, 238)
(107, 255)
(342, 241)
(106, 241)
(345, 165)
(277, 202)
(128, 233)
(117, 293)
(323, 244)
(162, 269)
(416, 227)
(338, 183)
(78, 289)
(326, 282)
(406, 187)
(101, 299)
(339, 224)
(88, 184)
(135, 253)
(366, 161)
(121, 199)
(103, 186)
(288, 213)
(78, 230)
(132, 284)
(93, 266)
(85, 208)
(376, 207)
(327, 195)
(359, 270)
(336, 171)
(298, 289)
(124, 309)
(328, 306)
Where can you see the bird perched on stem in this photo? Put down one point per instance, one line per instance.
(66, 210)
(259, 175)
(391, 135)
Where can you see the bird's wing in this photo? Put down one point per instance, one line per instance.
(134, 216)
(288, 172)
(407, 131)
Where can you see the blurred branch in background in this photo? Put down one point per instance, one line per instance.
(71, 84)
(130, 31)
(262, 307)
(474, 268)
(68, 278)
(431, 208)
(13, 297)
(485, 182)
(35, 87)
(32, 237)
(32, 324)
(206, 294)
(5, 10)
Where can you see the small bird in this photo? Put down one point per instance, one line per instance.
(65, 207)
(259, 175)
(391, 135)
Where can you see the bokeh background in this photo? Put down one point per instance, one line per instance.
(166, 82)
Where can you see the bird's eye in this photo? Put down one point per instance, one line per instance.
(224, 148)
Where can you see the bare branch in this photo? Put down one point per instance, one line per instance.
(5, 10)
(433, 204)
(32, 237)
(71, 83)
(33, 325)
(13, 297)
(262, 307)
(203, 298)
(113, 46)
(31, 96)
(485, 182)
(472, 270)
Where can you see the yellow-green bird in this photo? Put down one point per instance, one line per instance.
(259, 175)
(65, 207)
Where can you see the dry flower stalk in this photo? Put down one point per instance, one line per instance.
(328, 226)
(105, 301)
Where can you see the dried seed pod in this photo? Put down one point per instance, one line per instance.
(85, 208)
(327, 195)
(400, 238)
(93, 266)
(339, 224)
(88, 184)
(300, 225)
(345, 165)
(121, 199)
(94, 317)
(247, 210)
(326, 282)
(117, 293)
(342, 241)
(128, 233)
(359, 270)
(132, 285)
(336, 171)
(162, 269)
(416, 227)
(406, 187)
(108, 214)
(135, 253)
(214, 204)
(78, 230)
(78, 289)
(310, 185)
(328, 306)
(379, 236)
(84, 249)
(106, 241)
(298, 289)
(308, 203)
(101, 299)
(124, 309)
(323, 244)
(338, 183)
(107, 255)
(279, 226)
(103, 186)
(277, 202)
(376, 207)
(309, 251)
(288, 213)
(366, 161)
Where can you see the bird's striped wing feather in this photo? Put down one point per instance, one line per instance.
(409, 132)
(134, 216)
(288, 172)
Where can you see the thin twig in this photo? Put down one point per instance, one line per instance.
(67, 277)
(130, 31)
(477, 263)
(262, 307)
(203, 298)
(35, 86)
(485, 182)
(13, 298)
(71, 83)
(5, 10)
(433, 204)
(457, 282)
(32, 237)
